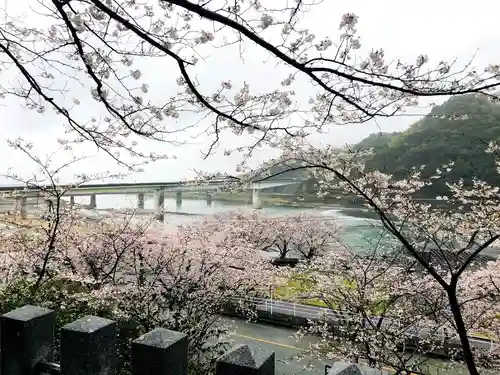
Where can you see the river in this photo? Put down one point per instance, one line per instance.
(358, 232)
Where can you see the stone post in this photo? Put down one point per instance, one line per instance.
(159, 201)
(178, 199)
(93, 202)
(245, 360)
(344, 368)
(160, 352)
(27, 338)
(140, 201)
(88, 347)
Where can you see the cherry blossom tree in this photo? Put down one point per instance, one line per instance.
(302, 234)
(132, 272)
(379, 307)
(129, 269)
(102, 46)
(441, 244)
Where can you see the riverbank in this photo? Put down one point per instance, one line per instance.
(343, 206)
(267, 199)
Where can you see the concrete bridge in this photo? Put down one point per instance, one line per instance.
(156, 189)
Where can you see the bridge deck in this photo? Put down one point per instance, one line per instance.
(149, 187)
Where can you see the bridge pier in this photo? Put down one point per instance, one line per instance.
(93, 202)
(72, 201)
(20, 206)
(256, 202)
(49, 204)
(209, 198)
(178, 199)
(159, 200)
(140, 201)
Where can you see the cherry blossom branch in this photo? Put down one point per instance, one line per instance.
(471, 257)
(90, 70)
(208, 14)
(386, 221)
(182, 68)
(91, 42)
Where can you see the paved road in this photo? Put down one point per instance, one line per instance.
(279, 340)
(313, 313)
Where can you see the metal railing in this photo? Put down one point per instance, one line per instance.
(273, 306)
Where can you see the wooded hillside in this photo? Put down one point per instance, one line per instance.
(435, 140)
(458, 130)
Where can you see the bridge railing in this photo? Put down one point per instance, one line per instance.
(167, 184)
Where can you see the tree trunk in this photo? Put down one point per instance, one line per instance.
(283, 250)
(462, 332)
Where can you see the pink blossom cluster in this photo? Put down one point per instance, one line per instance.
(301, 235)
(135, 268)
(432, 277)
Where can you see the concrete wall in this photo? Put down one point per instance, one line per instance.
(88, 347)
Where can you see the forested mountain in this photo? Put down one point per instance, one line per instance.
(437, 139)
(458, 130)
(376, 141)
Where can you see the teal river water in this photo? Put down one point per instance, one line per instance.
(358, 232)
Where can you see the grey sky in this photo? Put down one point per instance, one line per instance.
(442, 29)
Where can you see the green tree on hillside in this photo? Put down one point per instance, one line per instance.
(376, 141)
(437, 139)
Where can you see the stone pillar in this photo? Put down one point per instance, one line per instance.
(27, 340)
(93, 203)
(341, 368)
(209, 198)
(88, 347)
(245, 360)
(256, 203)
(160, 352)
(178, 199)
(140, 201)
(72, 201)
(159, 201)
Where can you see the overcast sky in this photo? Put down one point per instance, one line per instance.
(443, 29)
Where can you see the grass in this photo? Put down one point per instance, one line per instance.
(301, 284)
(483, 336)
(17, 221)
(297, 285)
